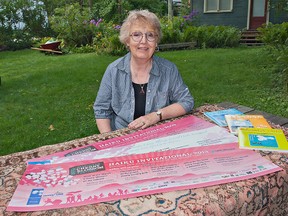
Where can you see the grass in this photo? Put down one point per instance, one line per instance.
(48, 99)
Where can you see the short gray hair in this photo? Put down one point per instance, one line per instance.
(143, 16)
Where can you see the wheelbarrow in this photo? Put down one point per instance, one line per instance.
(52, 47)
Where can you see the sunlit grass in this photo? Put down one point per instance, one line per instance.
(47, 99)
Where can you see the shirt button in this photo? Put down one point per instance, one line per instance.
(148, 103)
(148, 91)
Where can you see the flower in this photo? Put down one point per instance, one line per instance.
(117, 27)
(98, 22)
(190, 17)
(93, 22)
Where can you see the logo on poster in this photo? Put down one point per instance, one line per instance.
(87, 168)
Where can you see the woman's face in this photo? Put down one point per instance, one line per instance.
(140, 46)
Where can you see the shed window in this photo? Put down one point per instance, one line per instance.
(214, 6)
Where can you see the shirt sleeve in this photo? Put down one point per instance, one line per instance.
(179, 92)
(102, 105)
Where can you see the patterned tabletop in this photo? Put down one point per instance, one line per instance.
(265, 195)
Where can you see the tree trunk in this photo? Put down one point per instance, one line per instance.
(120, 10)
(170, 9)
(90, 4)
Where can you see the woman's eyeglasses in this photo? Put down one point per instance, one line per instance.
(137, 36)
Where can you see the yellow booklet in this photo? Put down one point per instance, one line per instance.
(248, 121)
(266, 139)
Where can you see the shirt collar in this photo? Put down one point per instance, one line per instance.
(124, 64)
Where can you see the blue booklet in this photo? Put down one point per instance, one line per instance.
(219, 116)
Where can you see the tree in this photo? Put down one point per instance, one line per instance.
(156, 6)
(280, 5)
(107, 10)
(72, 23)
(116, 10)
(20, 21)
(170, 9)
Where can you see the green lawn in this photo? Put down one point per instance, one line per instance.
(48, 99)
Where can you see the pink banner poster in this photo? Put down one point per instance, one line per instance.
(192, 126)
(54, 186)
(214, 135)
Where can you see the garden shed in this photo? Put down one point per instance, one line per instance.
(247, 14)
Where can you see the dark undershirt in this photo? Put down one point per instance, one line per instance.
(140, 99)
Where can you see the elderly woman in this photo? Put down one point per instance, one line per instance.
(140, 89)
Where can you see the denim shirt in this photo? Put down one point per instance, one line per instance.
(116, 100)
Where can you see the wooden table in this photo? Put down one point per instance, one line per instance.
(265, 195)
(277, 120)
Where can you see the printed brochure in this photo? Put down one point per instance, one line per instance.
(219, 116)
(266, 139)
(248, 121)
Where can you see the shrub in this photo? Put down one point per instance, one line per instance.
(71, 23)
(172, 30)
(19, 40)
(79, 31)
(190, 34)
(112, 45)
(106, 39)
(215, 36)
(14, 39)
(83, 49)
(275, 36)
(282, 61)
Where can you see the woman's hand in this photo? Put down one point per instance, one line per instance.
(144, 121)
(171, 111)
